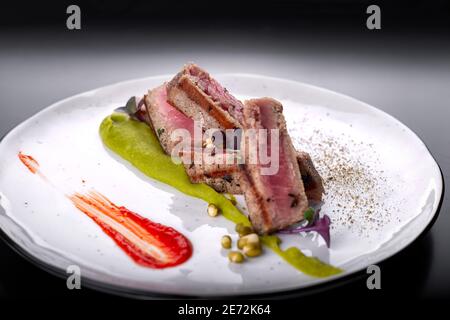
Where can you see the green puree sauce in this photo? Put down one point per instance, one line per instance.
(135, 142)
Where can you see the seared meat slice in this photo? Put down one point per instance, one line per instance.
(203, 99)
(221, 174)
(276, 200)
(312, 181)
(164, 119)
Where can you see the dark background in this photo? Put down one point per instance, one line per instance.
(403, 69)
(327, 14)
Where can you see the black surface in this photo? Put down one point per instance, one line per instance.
(403, 69)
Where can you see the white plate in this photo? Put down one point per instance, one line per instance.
(374, 166)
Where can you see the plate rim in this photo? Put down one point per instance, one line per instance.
(334, 281)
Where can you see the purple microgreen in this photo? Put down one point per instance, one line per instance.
(320, 225)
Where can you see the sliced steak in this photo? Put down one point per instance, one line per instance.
(203, 99)
(191, 89)
(277, 200)
(164, 119)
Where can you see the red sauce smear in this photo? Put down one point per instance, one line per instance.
(148, 243)
(29, 162)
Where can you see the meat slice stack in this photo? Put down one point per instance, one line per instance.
(276, 200)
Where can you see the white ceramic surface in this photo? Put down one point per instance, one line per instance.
(392, 196)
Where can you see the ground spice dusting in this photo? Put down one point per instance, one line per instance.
(356, 189)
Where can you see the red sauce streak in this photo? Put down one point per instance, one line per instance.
(29, 162)
(148, 243)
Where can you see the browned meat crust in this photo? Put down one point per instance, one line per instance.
(312, 181)
(221, 177)
(184, 93)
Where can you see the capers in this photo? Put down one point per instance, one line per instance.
(238, 227)
(213, 211)
(226, 242)
(243, 230)
(235, 257)
(250, 245)
(251, 238)
(241, 243)
(248, 242)
(252, 250)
